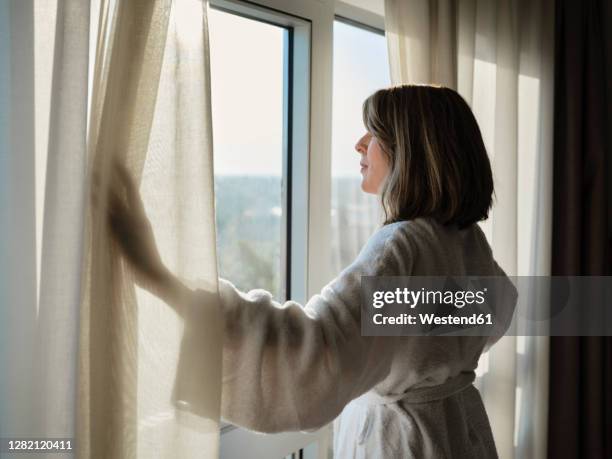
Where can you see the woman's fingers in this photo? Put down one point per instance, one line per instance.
(118, 218)
(133, 194)
(115, 206)
(124, 176)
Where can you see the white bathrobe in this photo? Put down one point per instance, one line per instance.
(295, 368)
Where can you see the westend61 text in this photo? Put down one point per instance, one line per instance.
(432, 319)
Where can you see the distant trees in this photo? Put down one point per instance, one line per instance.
(249, 222)
(249, 231)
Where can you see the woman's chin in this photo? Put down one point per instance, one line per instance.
(366, 188)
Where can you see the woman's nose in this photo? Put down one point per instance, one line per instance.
(359, 146)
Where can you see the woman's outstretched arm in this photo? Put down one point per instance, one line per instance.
(292, 367)
(286, 367)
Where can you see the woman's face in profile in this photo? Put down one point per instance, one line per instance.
(374, 164)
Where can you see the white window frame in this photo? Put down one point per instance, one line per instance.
(312, 23)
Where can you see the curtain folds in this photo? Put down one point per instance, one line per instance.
(111, 365)
(498, 56)
(153, 114)
(61, 229)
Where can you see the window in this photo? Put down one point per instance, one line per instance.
(360, 67)
(270, 68)
(260, 90)
(248, 66)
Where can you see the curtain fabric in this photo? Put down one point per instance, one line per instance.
(499, 57)
(580, 423)
(110, 365)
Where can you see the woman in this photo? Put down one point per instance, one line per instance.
(298, 368)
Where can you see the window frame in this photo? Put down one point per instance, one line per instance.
(359, 17)
(296, 109)
(308, 169)
(296, 144)
(359, 25)
(342, 255)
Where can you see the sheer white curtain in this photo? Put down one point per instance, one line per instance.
(94, 358)
(499, 56)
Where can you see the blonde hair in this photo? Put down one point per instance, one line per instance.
(439, 166)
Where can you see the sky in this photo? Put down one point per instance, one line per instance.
(247, 63)
(361, 67)
(246, 60)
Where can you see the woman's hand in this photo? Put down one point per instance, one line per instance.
(131, 229)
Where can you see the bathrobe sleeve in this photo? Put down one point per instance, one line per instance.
(288, 367)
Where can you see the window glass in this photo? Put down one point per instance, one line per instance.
(360, 67)
(247, 66)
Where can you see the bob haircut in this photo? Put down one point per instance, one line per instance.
(439, 166)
